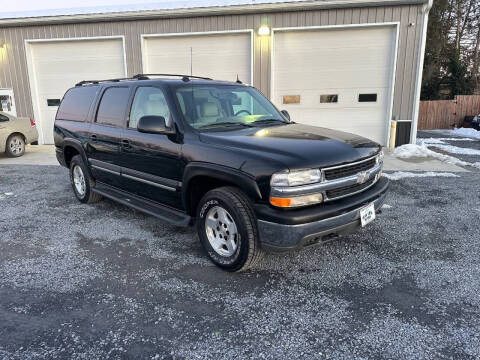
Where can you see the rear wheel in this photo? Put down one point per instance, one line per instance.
(227, 229)
(82, 183)
(15, 146)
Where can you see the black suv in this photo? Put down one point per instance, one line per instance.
(193, 150)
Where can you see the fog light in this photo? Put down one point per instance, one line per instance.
(296, 201)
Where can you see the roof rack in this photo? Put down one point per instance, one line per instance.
(86, 82)
(139, 77)
(184, 77)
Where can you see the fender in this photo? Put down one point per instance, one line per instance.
(77, 144)
(242, 180)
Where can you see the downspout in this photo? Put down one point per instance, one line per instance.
(418, 81)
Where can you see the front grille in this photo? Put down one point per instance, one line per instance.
(347, 190)
(349, 170)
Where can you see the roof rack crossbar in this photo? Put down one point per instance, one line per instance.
(179, 75)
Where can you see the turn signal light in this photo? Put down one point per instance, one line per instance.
(280, 202)
(296, 201)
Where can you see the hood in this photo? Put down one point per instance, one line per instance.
(296, 146)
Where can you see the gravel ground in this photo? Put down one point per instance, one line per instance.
(102, 281)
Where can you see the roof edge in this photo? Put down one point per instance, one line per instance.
(203, 11)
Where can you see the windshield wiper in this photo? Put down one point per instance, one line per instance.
(267, 121)
(226, 123)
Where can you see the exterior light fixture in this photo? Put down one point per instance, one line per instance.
(2, 44)
(264, 30)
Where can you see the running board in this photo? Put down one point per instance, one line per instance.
(149, 207)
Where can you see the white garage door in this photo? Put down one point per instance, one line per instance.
(340, 79)
(218, 56)
(58, 65)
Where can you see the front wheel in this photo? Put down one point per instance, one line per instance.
(227, 229)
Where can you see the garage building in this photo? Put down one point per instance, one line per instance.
(352, 65)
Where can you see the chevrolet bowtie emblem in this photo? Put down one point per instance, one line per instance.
(362, 177)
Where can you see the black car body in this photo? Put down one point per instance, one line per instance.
(187, 149)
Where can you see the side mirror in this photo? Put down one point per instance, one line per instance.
(286, 114)
(153, 124)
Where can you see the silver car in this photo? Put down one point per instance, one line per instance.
(15, 132)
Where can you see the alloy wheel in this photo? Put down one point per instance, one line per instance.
(79, 180)
(221, 231)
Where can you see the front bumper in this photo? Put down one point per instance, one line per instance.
(285, 231)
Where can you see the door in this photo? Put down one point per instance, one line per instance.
(103, 150)
(339, 79)
(7, 102)
(151, 162)
(56, 66)
(219, 56)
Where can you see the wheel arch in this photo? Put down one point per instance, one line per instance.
(199, 178)
(17, 133)
(72, 147)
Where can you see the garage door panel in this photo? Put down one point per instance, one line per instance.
(329, 79)
(59, 65)
(335, 38)
(343, 122)
(219, 56)
(79, 48)
(339, 62)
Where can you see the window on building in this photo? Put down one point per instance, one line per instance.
(331, 98)
(367, 97)
(53, 102)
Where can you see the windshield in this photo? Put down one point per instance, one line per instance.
(215, 106)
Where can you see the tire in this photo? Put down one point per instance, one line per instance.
(82, 183)
(15, 146)
(241, 250)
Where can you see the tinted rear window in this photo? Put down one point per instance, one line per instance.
(76, 103)
(111, 110)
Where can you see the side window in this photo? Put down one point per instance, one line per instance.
(149, 101)
(3, 118)
(76, 103)
(112, 106)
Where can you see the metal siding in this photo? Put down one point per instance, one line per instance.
(13, 69)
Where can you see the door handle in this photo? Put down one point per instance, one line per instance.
(93, 137)
(125, 144)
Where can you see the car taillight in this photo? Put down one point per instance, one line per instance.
(32, 123)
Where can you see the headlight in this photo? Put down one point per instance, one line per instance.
(379, 157)
(295, 178)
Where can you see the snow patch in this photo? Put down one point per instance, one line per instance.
(409, 151)
(404, 174)
(386, 206)
(440, 140)
(468, 132)
(457, 150)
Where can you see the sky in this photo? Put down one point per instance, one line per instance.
(35, 8)
(35, 5)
